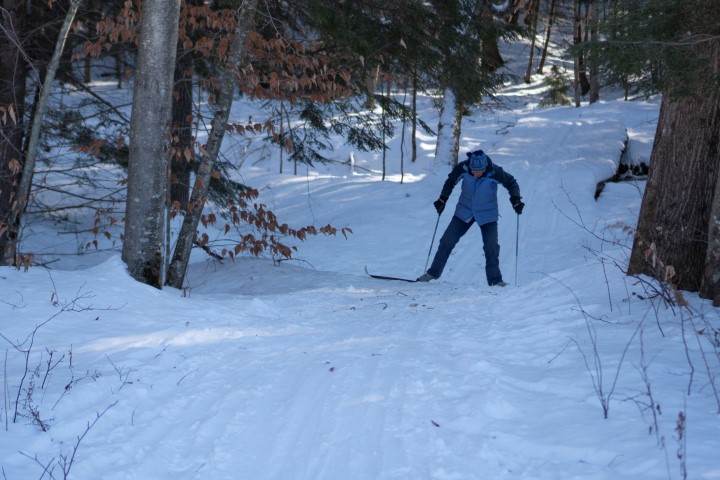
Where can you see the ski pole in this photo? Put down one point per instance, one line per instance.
(517, 242)
(432, 242)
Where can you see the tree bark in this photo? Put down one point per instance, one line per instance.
(444, 148)
(515, 11)
(457, 128)
(551, 17)
(413, 135)
(490, 57)
(181, 257)
(679, 224)
(582, 85)
(184, 149)
(533, 14)
(371, 78)
(22, 194)
(12, 97)
(182, 123)
(145, 215)
(710, 287)
(594, 92)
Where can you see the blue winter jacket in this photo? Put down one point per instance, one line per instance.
(478, 197)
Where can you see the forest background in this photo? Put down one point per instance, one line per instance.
(322, 70)
(320, 65)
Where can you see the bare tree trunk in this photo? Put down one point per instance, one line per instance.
(551, 18)
(87, 70)
(594, 93)
(581, 83)
(515, 10)
(577, 62)
(414, 116)
(144, 246)
(181, 257)
(370, 84)
(576, 81)
(710, 287)
(117, 56)
(184, 150)
(457, 128)
(444, 148)
(12, 99)
(19, 203)
(183, 144)
(534, 7)
(491, 57)
(678, 224)
(382, 130)
(182, 124)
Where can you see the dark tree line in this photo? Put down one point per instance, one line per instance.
(325, 61)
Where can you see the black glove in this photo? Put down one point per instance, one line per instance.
(440, 204)
(517, 204)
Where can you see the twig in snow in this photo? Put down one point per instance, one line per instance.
(66, 463)
(183, 377)
(703, 355)
(122, 372)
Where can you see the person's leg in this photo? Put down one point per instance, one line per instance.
(492, 252)
(455, 230)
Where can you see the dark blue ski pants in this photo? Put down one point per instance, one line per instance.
(455, 230)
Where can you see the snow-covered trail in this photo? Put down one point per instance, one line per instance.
(398, 370)
(287, 389)
(344, 377)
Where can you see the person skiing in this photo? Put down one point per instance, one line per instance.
(477, 204)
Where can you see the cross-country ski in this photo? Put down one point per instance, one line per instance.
(386, 277)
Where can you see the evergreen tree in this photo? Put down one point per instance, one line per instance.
(441, 43)
(556, 93)
(647, 45)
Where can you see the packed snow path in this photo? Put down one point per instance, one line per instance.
(350, 378)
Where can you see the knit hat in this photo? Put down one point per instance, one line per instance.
(478, 160)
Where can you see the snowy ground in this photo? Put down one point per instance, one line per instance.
(309, 369)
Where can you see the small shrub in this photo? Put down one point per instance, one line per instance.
(557, 84)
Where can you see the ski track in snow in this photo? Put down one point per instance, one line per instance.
(418, 379)
(395, 371)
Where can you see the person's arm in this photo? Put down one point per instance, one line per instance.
(511, 185)
(452, 180)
